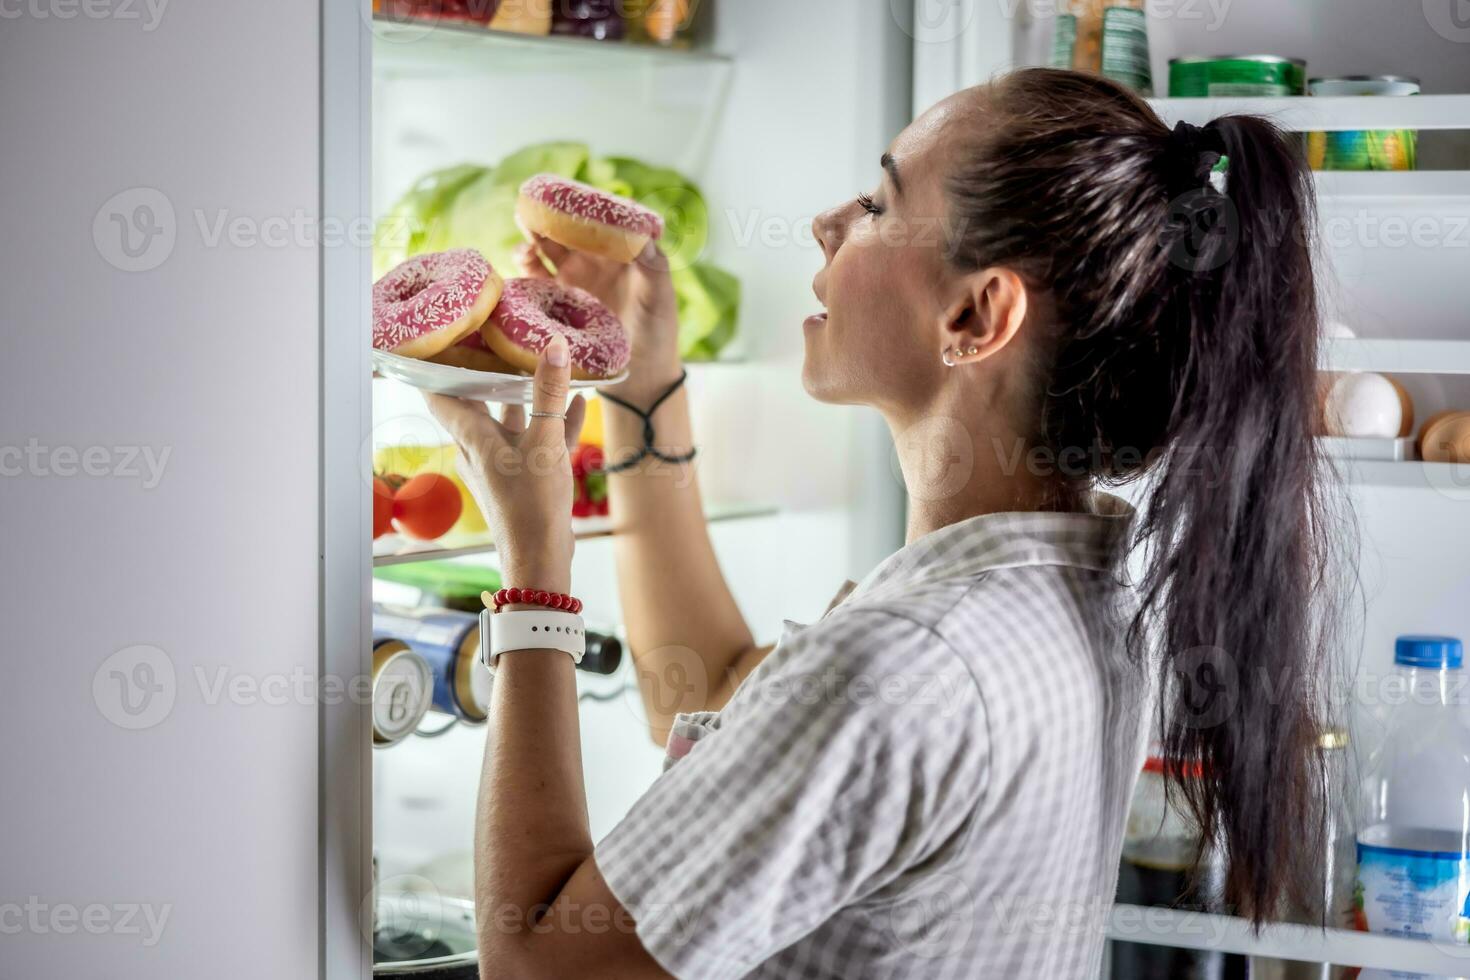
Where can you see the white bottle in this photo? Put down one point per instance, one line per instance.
(1414, 848)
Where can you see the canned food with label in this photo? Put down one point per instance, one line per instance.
(1364, 149)
(1227, 75)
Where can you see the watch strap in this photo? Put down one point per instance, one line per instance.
(530, 629)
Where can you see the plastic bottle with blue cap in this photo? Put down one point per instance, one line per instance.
(1414, 845)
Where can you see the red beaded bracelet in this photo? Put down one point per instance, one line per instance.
(536, 597)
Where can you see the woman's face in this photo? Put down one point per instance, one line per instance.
(886, 282)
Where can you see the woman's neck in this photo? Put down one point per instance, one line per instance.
(954, 471)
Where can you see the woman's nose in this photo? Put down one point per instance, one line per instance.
(827, 227)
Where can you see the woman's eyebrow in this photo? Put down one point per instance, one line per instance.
(891, 165)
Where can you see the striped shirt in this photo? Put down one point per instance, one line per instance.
(931, 781)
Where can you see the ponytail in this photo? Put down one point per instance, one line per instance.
(1237, 542)
(1184, 351)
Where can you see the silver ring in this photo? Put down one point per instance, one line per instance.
(548, 415)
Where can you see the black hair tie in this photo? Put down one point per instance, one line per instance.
(649, 449)
(1192, 154)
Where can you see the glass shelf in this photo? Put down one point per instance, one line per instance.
(395, 550)
(415, 47)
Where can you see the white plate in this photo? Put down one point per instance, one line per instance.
(485, 386)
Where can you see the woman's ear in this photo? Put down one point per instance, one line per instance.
(986, 315)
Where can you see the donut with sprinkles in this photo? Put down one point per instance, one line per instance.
(431, 302)
(532, 311)
(586, 219)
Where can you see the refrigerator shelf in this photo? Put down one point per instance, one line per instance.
(1450, 480)
(1226, 933)
(1395, 185)
(399, 551)
(1306, 113)
(1395, 356)
(424, 48)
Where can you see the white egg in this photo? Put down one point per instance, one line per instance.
(1364, 404)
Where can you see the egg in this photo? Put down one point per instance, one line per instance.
(1406, 407)
(1446, 438)
(1364, 404)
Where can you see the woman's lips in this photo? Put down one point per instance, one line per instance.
(816, 320)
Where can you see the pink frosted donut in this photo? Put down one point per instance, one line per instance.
(432, 301)
(585, 218)
(472, 353)
(532, 311)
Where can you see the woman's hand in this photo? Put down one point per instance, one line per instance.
(521, 475)
(640, 293)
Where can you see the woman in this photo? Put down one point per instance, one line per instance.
(932, 780)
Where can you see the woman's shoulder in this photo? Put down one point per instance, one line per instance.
(1044, 619)
(860, 660)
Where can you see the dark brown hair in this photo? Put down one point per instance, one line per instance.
(1184, 349)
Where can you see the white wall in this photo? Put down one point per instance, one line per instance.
(207, 816)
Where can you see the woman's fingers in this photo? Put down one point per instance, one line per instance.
(469, 422)
(652, 259)
(541, 258)
(549, 397)
(553, 252)
(529, 261)
(576, 415)
(513, 419)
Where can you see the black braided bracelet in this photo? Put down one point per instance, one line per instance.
(649, 449)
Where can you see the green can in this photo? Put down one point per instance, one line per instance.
(1364, 149)
(1206, 76)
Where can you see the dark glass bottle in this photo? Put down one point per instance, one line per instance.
(599, 19)
(1160, 847)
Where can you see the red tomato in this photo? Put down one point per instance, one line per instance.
(382, 507)
(427, 506)
(586, 458)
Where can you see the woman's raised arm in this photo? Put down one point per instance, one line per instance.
(687, 637)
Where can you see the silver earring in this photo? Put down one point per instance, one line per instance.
(959, 352)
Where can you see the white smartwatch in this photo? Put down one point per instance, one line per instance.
(530, 629)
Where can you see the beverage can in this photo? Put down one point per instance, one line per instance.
(401, 691)
(449, 642)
